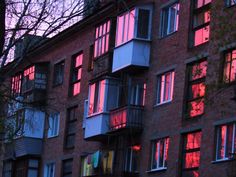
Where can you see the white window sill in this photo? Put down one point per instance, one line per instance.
(156, 170)
(53, 136)
(221, 160)
(165, 102)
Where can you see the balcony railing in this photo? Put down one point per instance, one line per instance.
(126, 117)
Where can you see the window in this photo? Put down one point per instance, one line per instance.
(58, 74)
(33, 168)
(67, 168)
(191, 154)
(170, 19)
(196, 88)
(134, 23)
(7, 169)
(229, 67)
(49, 170)
(54, 123)
(201, 22)
(96, 97)
(16, 85)
(230, 2)
(165, 87)
(71, 127)
(132, 159)
(28, 79)
(102, 37)
(138, 93)
(76, 74)
(225, 141)
(159, 153)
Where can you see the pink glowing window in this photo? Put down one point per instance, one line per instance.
(102, 36)
(226, 141)
(76, 74)
(191, 154)
(229, 74)
(201, 3)
(125, 27)
(29, 73)
(165, 87)
(201, 21)
(170, 19)
(96, 97)
(201, 35)
(159, 154)
(16, 84)
(196, 89)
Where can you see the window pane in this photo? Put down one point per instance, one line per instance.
(76, 88)
(32, 173)
(119, 31)
(196, 107)
(199, 70)
(201, 18)
(202, 35)
(197, 90)
(192, 159)
(143, 24)
(193, 140)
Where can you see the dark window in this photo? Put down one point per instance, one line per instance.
(7, 169)
(16, 84)
(201, 22)
(196, 88)
(58, 74)
(143, 23)
(67, 168)
(229, 74)
(102, 37)
(230, 2)
(225, 141)
(191, 154)
(132, 159)
(71, 127)
(159, 154)
(76, 74)
(91, 58)
(170, 19)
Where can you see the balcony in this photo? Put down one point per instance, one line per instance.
(25, 132)
(135, 53)
(128, 117)
(133, 36)
(34, 83)
(103, 96)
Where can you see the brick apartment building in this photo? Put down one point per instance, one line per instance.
(139, 88)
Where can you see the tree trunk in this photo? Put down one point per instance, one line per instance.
(2, 25)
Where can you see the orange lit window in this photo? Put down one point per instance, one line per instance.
(96, 97)
(16, 84)
(196, 89)
(76, 74)
(159, 154)
(102, 36)
(201, 21)
(165, 87)
(191, 154)
(226, 141)
(229, 74)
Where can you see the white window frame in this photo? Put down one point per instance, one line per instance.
(176, 19)
(54, 125)
(164, 154)
(225, 143)
(47, 169)
(161, 90)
